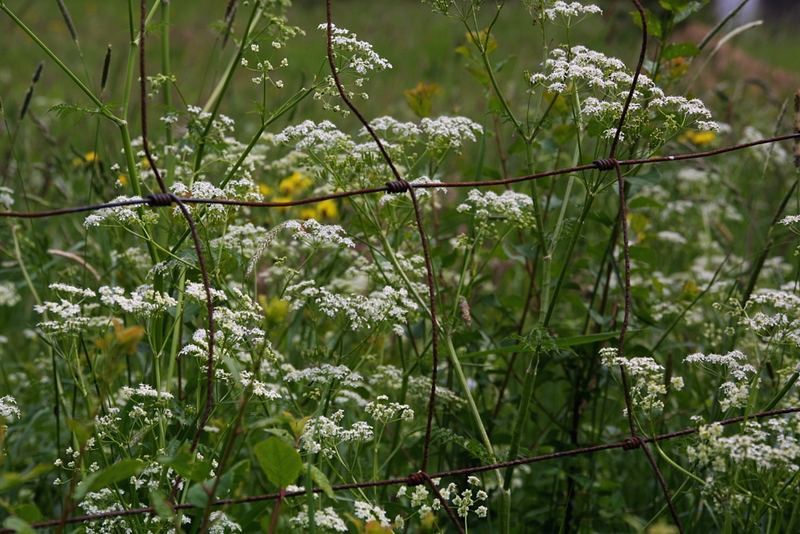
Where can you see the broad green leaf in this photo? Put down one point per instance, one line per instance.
(11, 480)
(280, 461)
(673, 50)
(644, 202)
(121, 470)
(197, 495)
(159, 502)
(18, 525)
(321, 480)
(645, 254)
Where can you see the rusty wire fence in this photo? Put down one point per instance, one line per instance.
(634, 441)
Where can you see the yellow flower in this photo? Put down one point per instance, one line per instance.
(308, 213)
(700, 138)
(275, 309)
(264, 189)
(296, 183)
(327, 209)
(122, 180)
(87, 159)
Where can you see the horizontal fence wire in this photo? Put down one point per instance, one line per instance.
(625, 444)
(156, 199)
(399, 185)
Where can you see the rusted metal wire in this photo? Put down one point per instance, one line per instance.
(414, 478)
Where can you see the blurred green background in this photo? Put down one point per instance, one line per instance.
(420, 45)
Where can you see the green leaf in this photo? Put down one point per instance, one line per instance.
(645, 254)
(27, 512)
(280, 461)
(18, 525)
(321, 480)
(197, 495)
(654, 27)
(673, 50)
(121, 470)
(161, 505)
(645, 202)
(11, 480)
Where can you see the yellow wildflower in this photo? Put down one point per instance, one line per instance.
(700, 138)
(327, 209)
(87, 159)
(275, 309)
(308, 213)
(296, 183)
(264, 189)
(122, 180)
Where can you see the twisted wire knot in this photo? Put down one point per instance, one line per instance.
(160, 199)
(631, 443)
(415, 479)
(606, 164)
(397, 186)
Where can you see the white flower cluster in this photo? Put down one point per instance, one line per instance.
(65, 317)
(8, 294)
(390, 127)
(309, 135)
(260, 389)
(324, 434)
(314, 234)
(242, 241)
(6, 198)
(222, 524)
(450, 132)
(324, 374)
(488, 205)
(325, 518)
(648, 387)
(372, 514)
(360, 55)
(571, 10)
(464, 501)
(384, 411)
(197, 291)
(309, 233)
(145, 391)
(8, 408)
(144, 300)
(387, 304)
(120, 215)
(607, 81)
(734, 392)
(419, 387)
(238, 329)
(768, 447)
